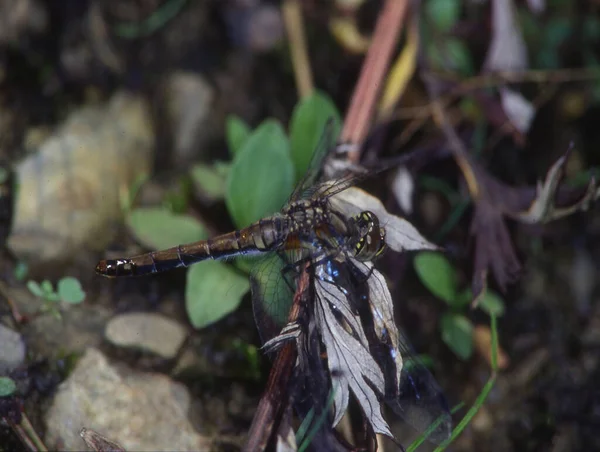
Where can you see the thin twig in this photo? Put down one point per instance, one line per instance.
(377, 61)
(27, 434)
(292, 16)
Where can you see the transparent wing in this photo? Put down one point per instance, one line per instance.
(421, 402)
(315, 168)
(272, 283)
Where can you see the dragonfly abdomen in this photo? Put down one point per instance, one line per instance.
(262, 236)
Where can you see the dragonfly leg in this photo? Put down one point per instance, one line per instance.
(362, 277)
(293, 270)
(296, 267)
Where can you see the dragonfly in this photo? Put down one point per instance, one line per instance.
(351, 313)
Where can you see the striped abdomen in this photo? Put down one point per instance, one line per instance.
(264, 235)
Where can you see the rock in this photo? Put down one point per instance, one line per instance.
(147, 331)
(18, 19)
(189, 102)
(12, 350)
(69, 191)
(140, 411)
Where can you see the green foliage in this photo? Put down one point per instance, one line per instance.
(468, 417)
(213, 290)
(68, 290)
(439, 276)
(492, 304)
(481, 398)
(20, 271)
(7, 387)
(443, 15)
(237, 133)
(176, 199)
(158, 228)
(306, 126)
(457, 333)
(261, 176)
(127, 197)
(210, 181)
(252, 354)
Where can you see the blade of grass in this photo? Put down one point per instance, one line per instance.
(494, 326)
(482, 395)
(317, 424)
(306, 423)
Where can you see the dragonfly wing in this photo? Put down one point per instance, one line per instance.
(315, 168)
(421, 402)
(272, 283)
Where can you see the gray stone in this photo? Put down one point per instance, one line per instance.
(12, 350)
(147, 331)
(190, 104)
(70, 190)
(140, 411)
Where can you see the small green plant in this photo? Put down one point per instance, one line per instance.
(439, 276)
(7, 387)
(68, 290)
(265, 165)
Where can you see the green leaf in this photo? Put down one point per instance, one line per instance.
(443, 14)
(262, 175)
(70, 291)
(158, 228)
(35, 288)
(21, 270)
(47, 287)
(457, 333)
(127, 198)
(492, 303)
(237, 133)
(306, 127)
(213, 290)
(437, 274)
(209, 181)
(7, 387)
(463, 299)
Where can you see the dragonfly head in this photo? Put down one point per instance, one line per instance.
(370, 242)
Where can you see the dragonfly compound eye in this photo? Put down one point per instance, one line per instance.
(371, 237)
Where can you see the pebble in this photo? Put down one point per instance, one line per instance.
(147, 331)
(12, 350)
